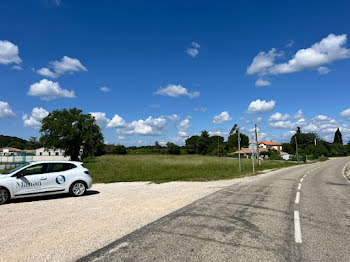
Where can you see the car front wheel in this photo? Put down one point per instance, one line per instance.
(77, 189)
(4, 195)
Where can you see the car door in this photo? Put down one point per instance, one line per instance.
(57, 176)
(31, 180)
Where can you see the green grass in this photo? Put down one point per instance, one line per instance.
(166, 168)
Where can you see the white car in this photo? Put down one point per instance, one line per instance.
(44, 178)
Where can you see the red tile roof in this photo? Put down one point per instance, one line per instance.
(269, 143)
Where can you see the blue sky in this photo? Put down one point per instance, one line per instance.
(161, 70)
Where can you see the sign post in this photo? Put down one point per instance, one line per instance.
(252, 148)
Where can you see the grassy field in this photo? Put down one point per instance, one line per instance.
(166, 168)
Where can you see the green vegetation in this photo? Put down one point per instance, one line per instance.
(71, 131)
(165, 168)
(311, 146)
(11, 141)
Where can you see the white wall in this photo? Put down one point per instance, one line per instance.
(10, 159)
(48, 152)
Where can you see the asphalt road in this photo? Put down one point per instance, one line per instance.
(296, 214)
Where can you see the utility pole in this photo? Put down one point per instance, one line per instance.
(239, 150)
(296, 148)
(257, 145)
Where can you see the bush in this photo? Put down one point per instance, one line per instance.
(119, 150)
(323, 158)
(173, 149)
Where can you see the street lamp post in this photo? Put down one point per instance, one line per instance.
(239, 145)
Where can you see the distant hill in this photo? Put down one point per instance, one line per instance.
(12, 141)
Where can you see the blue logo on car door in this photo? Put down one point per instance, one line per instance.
(60, 180)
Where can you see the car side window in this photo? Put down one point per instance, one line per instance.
(33, 170)
(60, 167)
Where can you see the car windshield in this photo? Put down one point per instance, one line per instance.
(15, 169)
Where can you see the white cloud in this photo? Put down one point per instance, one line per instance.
(121, 137)
(17, 67)
(283, 125)
(34, 121)
(200, 109)
(218, 132)
(9, 53)
(5, 110)
(46, 72)
(328, 50)
(101, 119)
(48, 90)
(176, 91)
(262, 61)
(260, 106)
(193, 50)
(150, 126)
(299, 114)
(173, 117)
(322, 70)
(345, 114)
(279, 117)
(223, 117)
(195, 45)
(183, 127)
(66, 65)
(105, 89)
(262, 82)
(117, 121)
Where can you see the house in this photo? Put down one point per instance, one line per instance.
(270, 145)
(11, 151)
(246, 152)
(48, 152)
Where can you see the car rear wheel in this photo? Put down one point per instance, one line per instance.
(4, 195)
(78, 189)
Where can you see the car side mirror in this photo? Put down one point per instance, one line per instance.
(18, 175)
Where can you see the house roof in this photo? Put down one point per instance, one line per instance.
(269, 143)
(248, 151)
(11, 149)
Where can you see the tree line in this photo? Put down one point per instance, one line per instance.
(79, 136)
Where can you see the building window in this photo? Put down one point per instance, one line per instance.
(56, 153)
(49, 153)
(41, 153)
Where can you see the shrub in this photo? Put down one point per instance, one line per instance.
(119, 150)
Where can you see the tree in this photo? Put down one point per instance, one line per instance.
(347, 148)
(304, 139)
(173, 149)
(33, 143)
(232, 142)
(338, 138)
(16, 144)
(192, 145)
(214, 142)
(71, 130)
(157, 147)
(203, 143)
(287, 147)
(119, 150)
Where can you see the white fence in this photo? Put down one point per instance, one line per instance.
(11, 159)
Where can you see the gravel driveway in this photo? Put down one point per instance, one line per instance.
(62, 228)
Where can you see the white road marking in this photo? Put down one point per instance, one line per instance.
(299, 186)
(301, 180)
(297, 230)
(297, 198)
